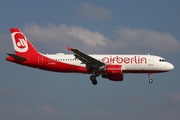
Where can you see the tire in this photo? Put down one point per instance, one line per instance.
(94, 82)
(150, 81)
(92, 78)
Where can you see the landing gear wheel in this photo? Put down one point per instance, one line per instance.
(150, 80)
(94, 82)
(93, 79)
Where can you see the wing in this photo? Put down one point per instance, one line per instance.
(86, 59)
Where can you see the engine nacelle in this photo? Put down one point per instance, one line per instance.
(113, 72)
(111, 69)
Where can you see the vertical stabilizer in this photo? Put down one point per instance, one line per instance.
(22, 45)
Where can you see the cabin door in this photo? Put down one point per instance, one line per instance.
(150, 60)
(40, 59)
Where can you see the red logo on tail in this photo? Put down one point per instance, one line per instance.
(20, 42)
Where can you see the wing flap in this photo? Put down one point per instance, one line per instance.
(86, 59)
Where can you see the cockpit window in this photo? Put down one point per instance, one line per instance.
(162, 60)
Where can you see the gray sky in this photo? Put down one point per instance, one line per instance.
(117, 26)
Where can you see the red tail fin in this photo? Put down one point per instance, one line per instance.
(22, 45)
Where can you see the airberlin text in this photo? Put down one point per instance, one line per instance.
(126, 60)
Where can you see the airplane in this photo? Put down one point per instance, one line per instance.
(109, 66)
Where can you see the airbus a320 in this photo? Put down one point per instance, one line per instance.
(109, 66)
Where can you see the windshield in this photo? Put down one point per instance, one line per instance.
(162, 60)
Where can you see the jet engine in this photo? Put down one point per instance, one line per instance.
(112, 72)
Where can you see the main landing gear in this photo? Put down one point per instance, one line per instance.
(93, 79)
(150, 79)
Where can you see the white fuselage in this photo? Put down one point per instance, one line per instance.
(128, 62)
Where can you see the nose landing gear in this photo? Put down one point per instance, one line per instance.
(150, 79)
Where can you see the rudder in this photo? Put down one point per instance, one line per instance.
(22, 45)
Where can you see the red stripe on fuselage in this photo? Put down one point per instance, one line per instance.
(49, 64)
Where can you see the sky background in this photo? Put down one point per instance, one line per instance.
(109, 26)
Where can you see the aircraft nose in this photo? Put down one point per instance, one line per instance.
(170, 66)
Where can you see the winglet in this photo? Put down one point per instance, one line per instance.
(69, 48)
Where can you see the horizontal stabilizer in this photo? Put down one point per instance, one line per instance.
(16, 57)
